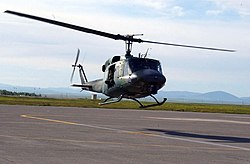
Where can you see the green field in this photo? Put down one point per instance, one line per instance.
(191, 107)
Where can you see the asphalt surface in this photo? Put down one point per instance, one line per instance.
(61, 135)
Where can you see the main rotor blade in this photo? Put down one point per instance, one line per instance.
(70, 26)
(108, 35)
(188, 46)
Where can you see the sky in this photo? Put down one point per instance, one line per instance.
(37, 54)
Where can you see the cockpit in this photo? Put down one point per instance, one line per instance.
(137, 64)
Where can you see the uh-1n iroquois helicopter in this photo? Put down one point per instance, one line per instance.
(124, 76)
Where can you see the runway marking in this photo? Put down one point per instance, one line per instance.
(137, 132)
(73, 123)
(116, 143)
(237, 117)
(199, 120)
(17, 122)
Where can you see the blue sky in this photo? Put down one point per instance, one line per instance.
(40, 55)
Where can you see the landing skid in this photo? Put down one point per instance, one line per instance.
(105, 102)
(151, 105)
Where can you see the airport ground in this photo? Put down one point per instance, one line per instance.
(87, 103)
(43, 134)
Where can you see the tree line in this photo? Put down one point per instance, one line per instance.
(10, 93)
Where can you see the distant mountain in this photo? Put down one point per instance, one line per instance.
(219, 96)
(6, 87)
(48, 92)
(177, 94)
(215, 97)
(245, 100)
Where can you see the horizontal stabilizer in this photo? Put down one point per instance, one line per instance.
(82, 85)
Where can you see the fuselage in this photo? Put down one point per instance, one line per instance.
(132, 77)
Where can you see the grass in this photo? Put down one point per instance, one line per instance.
(191, 107)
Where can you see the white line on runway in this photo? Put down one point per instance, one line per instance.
(135, 132)
(202, 142)
(238, 117)
(199, 120)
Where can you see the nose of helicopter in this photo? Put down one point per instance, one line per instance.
(151, 76)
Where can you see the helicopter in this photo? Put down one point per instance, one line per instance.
(125, 76)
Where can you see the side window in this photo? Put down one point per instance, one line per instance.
(126, 70)
(120, 69)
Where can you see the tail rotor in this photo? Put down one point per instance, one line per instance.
(75, 65)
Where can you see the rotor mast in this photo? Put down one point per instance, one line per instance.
(128, 48)
(129, 42)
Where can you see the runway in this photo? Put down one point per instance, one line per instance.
(31, 134)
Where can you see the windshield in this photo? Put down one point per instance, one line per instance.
(137, 64)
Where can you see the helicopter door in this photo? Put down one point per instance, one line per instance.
(126, 69)
(110, 79)
(118, 70)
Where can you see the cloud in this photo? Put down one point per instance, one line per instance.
(154, 4)
(177, 11)
(241, 7)
(214, 12)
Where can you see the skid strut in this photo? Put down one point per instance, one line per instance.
(105, 102)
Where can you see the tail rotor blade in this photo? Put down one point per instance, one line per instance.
(77, 55)
(72, 75)
(73, 72)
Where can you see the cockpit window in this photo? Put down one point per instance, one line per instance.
(137, 64)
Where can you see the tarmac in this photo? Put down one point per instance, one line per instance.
(37, 134)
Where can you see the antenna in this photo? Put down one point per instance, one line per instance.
(146, 54)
